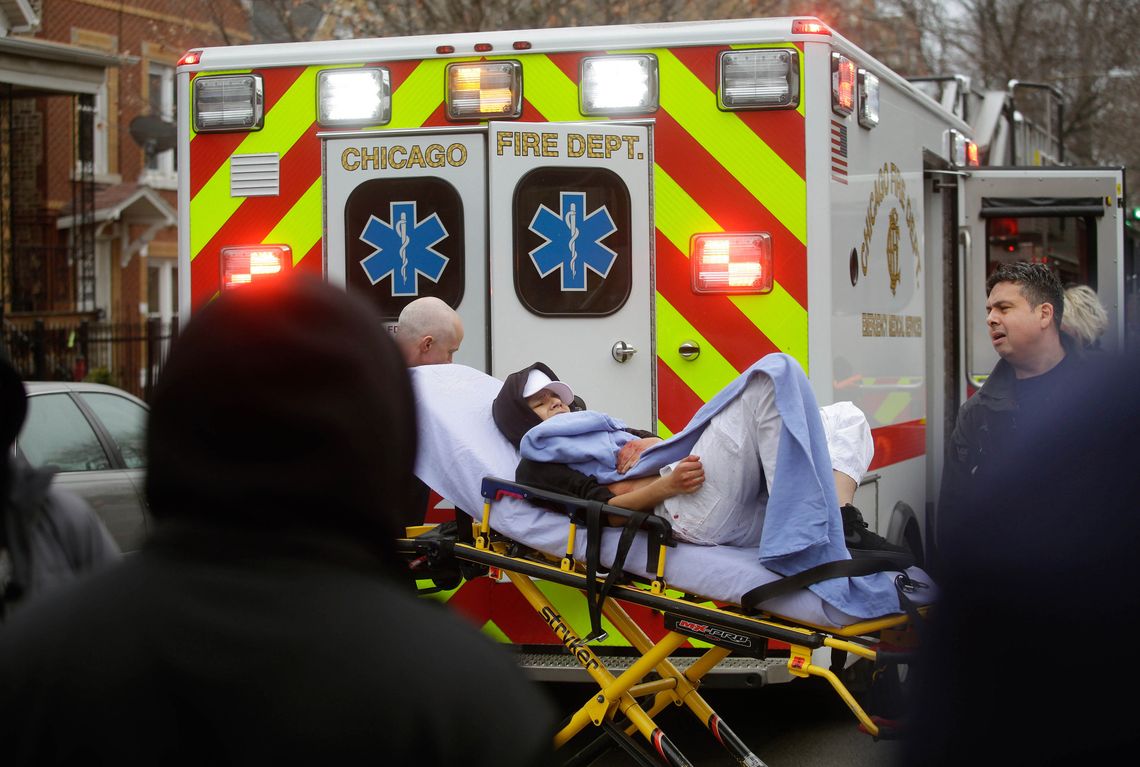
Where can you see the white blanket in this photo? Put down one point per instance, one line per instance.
(459, 445)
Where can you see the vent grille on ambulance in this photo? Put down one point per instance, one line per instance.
(255, 175)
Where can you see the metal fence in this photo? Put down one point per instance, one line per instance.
(127, 355)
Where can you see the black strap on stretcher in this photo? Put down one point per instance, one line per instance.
(841, 568)
(596, 596)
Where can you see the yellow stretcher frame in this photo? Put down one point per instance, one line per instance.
(620, 694)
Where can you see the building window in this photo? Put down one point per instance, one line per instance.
(160, 91)
(101, 141)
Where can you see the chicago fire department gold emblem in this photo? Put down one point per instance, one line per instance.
(889, 183)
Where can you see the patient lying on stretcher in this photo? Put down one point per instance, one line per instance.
(760, 464)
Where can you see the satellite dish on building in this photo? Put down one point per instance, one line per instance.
(153, 133)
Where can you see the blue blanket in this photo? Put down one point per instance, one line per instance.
(802, 524)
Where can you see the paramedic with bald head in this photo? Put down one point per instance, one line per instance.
(428, 332)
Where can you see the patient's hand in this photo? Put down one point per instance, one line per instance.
(631, 451)
(687, 476)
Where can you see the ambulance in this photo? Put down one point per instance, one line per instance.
(648, 209)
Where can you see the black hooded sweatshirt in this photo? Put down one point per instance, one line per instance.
(264, 621)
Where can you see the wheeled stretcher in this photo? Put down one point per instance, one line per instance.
(721, 597)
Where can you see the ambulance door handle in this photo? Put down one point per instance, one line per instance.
(622, 351)
(689, 350)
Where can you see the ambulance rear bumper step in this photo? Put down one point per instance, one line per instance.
(730, 672)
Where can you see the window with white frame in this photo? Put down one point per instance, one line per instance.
(100, 132)
(160, 91)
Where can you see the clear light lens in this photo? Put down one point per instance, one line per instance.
(246, 264)
(957, 148)
(732, 262)
(868, 99)
(228, 103)
(481, 90)
(759, 79)
(619, 84)
(842, 84)
(354, 97)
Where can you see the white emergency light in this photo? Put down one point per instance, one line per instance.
(731, 262)
(842, 84)
(228, 103)
(868, 99)
(354, 97)
(246, 264)
(764, 78)
(481, 90)
(956, 147)
(618, 85)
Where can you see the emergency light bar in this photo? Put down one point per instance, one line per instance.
(765, 78)
(868, 99)
(737, 262)
(482, 90)
(354, 97)
(842, 84)
(618, 85)
(245, 264)
(228, 103)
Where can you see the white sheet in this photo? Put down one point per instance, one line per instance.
(459, 445)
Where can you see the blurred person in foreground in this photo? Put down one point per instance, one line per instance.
(1085, 318)
(266, 619)
(1025, 661)
(48, 536)
(428, 332)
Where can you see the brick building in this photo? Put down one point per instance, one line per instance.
(88, 174)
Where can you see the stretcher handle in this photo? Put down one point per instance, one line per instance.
(659, 530)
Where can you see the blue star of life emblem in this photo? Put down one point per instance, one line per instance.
(404, 248)
(573, 241)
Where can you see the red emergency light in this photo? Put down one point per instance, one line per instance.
(842, 84)
(731, 262)
(190, 57)
(246, 264)
(1003, 227)
(809, 27)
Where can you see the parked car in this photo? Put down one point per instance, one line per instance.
(95, 436)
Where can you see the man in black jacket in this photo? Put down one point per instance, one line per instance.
(265, 621)
(1032, 382)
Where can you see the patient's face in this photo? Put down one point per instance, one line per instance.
(546, 404)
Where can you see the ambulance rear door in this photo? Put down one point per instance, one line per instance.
(1068, 218)
(571, 254)
(406, 217)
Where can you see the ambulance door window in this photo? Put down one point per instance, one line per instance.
(1067, 244)
(404, 239)
(572, 251)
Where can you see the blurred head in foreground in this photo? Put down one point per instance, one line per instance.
(284, 405)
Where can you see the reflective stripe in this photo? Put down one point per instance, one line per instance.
(297, 226)
(714, 372)
(778, 316)
(286, 122)
(781, 318)
(419, 95)
(550, 91)
(894, 404)
(742, 153)
(496, 633)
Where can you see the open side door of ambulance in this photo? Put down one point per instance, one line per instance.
(1068, 218)
(538, 234)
